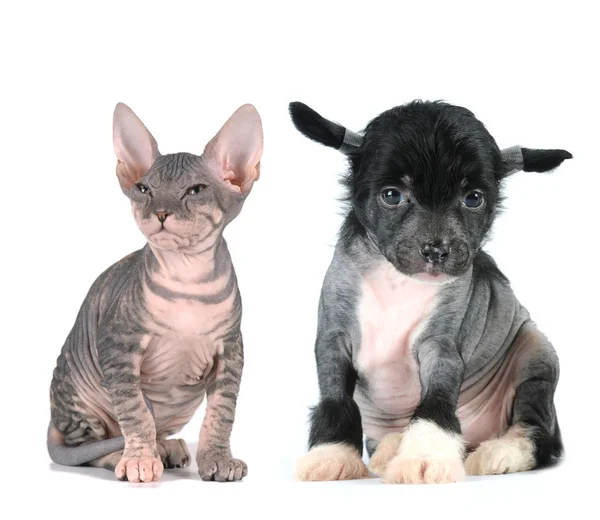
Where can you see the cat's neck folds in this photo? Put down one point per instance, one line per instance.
(188, 265)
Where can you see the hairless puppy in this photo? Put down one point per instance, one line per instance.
(421, 343)
(161, 328)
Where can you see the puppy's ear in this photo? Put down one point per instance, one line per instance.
(543, 160)
(517, 159)
(314, 126)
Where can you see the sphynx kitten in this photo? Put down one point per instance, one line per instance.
(161, 328)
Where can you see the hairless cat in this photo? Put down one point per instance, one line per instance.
(161, 328)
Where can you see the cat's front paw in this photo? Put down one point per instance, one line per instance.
(221, 468)
(143, 467)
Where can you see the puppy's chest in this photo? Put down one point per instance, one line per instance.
(392, 311)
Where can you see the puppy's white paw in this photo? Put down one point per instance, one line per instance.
(509, 454)
(386, 450)
(424, 470)
(427, 455)
(331, 462)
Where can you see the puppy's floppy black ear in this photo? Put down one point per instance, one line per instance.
(517, 159)
(543, 160)
(314, 126)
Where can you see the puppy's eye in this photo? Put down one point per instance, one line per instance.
(142, 187)
(194, 190)
(392, 196)
(473, 199)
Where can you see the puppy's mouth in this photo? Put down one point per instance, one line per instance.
(433, 275)
(433, 272)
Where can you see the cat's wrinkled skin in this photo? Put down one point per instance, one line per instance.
(160, 329)
(421, 344)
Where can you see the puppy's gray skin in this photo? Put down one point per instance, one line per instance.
(421, 343)
(161, 328)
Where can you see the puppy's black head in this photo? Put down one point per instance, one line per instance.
(424, 182)
(424, 185)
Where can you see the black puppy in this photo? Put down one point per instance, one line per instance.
(421, 343)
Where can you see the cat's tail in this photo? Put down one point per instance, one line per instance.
(65, 455)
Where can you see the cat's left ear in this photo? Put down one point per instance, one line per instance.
(135, 148)
(234, 153)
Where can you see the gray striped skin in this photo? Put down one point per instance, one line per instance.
(162, 324)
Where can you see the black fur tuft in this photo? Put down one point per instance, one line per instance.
(316, 127)
(333, 421)
(543, 160)
(548, 448)
(440, 412)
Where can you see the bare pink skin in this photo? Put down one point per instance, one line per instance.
(389, 324)
(175, 364)
(484, 409)
(394, 309)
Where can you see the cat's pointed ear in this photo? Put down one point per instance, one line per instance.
(135, 148)
(234, 153)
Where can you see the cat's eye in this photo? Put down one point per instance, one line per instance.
(473, 199)
(392, 196)
(142, 187)
(194, 190)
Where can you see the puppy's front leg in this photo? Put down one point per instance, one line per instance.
(214, 453)
(432, 447)
(120, 358)
(335, 439)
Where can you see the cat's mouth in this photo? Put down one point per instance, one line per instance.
(164, 239)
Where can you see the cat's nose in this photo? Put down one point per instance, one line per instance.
(162, 215)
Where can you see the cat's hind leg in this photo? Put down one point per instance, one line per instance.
(108, 462)
(77, 435)
(173, 453)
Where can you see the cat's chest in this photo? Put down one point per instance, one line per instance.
(178, 360)
(392, 311)
(179, 309)
(184, 328)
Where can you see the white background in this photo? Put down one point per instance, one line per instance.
(527, 70)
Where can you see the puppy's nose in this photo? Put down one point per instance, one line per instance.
(162, 215)
(435, 252)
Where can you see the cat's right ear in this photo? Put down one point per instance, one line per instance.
(135, 148)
